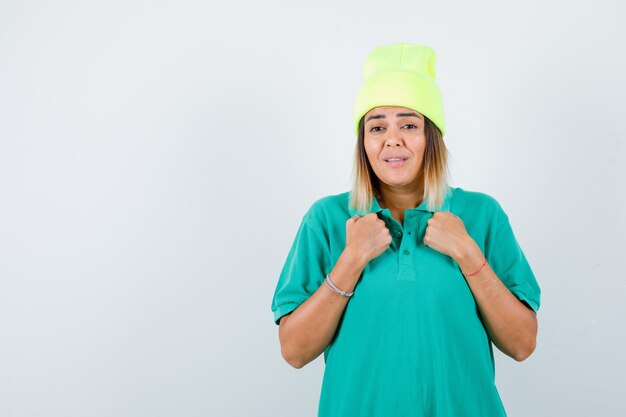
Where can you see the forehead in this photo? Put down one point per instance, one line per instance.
(390, 111)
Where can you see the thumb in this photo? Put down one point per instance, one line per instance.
(354, 218)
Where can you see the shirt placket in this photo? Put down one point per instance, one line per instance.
(407, 246)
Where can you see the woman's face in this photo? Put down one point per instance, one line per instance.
(390, 132)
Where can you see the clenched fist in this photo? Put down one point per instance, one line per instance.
(446, 234)
(367, 235)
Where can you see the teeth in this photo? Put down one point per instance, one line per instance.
(394, 159)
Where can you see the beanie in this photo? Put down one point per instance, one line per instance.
(403, 75)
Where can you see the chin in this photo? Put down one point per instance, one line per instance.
(397, 183)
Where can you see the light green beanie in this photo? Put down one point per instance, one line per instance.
(400, 75)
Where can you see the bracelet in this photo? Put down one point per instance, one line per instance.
(332, 286)
(477, 271)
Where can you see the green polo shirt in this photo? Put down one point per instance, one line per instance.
(411, 341)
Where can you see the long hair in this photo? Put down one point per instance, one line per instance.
(365, 183)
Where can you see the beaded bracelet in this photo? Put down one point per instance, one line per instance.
(477, 271)
(332, 286)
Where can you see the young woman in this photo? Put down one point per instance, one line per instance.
(404, 282)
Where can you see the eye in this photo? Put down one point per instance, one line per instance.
(375, 127)
(410, 125)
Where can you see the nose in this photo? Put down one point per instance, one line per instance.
(394, 138)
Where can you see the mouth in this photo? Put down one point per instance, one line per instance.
(396, 162)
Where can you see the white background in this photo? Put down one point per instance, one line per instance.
(156, 158)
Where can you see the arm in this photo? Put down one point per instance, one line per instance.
(511, 324)
(306, 332)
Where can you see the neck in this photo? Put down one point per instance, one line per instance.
(400, 199)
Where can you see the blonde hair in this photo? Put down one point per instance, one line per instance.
(434, 167)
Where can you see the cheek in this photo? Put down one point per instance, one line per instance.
(371, 152)
(419, 148)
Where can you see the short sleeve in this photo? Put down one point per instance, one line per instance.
(506, 258)
(303, 271)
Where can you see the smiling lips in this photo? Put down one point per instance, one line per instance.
(396, 161)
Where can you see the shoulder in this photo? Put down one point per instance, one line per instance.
(329, 208)
(327, 213)
(471, 202)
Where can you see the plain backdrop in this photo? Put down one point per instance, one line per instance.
(156, 158)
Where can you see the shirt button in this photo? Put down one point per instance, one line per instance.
(398, 234)
(406, 252)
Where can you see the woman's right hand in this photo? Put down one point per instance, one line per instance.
(367, 236)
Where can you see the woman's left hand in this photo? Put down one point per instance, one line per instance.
(446, 233)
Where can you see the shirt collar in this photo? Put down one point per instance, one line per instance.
(422, 207)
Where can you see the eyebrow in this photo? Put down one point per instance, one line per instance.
(382, 116)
